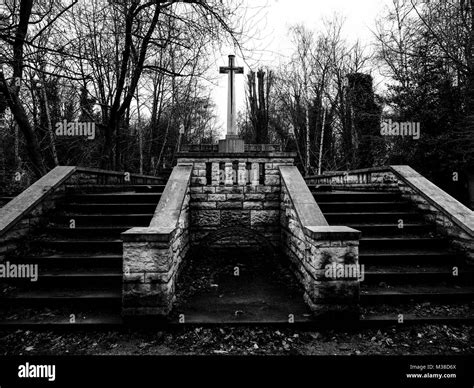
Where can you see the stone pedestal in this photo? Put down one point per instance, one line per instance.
(232, 144)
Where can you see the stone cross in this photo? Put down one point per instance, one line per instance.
(231, 113)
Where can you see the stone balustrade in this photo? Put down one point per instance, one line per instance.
(324, 258)
(152, 256)
(377, 179)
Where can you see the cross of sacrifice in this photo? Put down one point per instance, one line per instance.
(231, 113)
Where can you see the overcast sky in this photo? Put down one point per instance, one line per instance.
(270, 38)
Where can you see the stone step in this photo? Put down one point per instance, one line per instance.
(410, 319)
(372, 294)
(345, 207)
(101, 321)
(87, 231)
(78, 245)
(382, 217)
(102, 219)
(414, 242)
(436, 312)
(116, 188)
(73, 260)
(408, 256)
(108, 208)
(72, 277)
(392, 229)
(356, 196)
(59, 316)
(416, 274)
(53, 296)
(125, 197)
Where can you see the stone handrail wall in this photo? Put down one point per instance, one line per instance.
(315, 249)
(26, 211)
(378, 178)
(92, 176)
(152, 256)
(451, 217)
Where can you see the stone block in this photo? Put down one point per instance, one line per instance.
(229, 205)
(199, 197)
(255, 197)
(234, 218)
(205, 217)
(272, 180)
(209, 189)
(235, 197)
(147, 294)
(144, 257)
(271, 205)
(203, 205)
(253, 205)
(217, 197)
(264, 217)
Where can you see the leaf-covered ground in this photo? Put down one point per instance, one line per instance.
(415, 340)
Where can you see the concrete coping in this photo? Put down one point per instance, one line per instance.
(459, 214)
(303, 201)
(333, 233)
(23, 203)
(166, 217)
(145, 234)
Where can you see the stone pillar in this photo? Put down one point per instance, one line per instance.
(229, 181)
(255, 174)
(148, 274)
(242, 173)
(215, 174)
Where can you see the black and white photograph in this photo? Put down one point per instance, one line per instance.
(282, 186)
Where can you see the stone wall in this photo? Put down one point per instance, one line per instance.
(241, 190)
(452, 219)
(316, 250)
(152, 256)
(27, 211)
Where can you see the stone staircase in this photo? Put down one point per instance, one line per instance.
(79, 257)
(409, 269)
